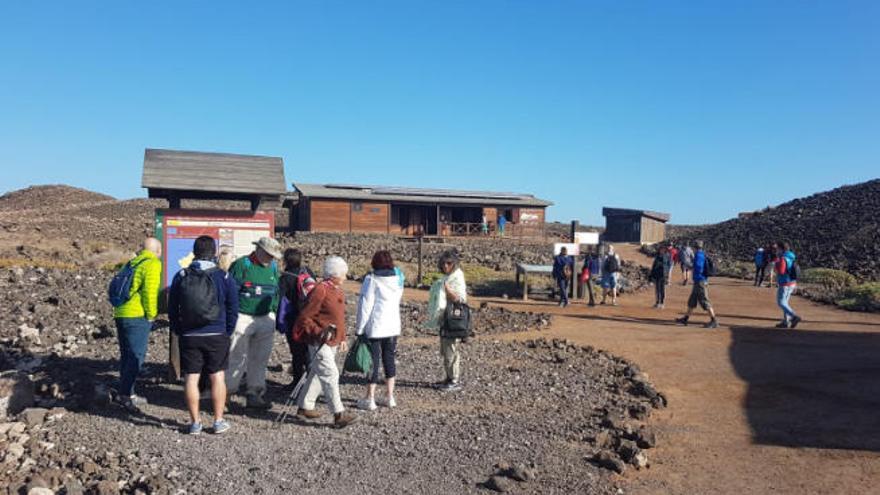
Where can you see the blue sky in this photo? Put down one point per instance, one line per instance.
(702, 109)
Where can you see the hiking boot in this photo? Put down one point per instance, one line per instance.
(682, 321)
(713, 323)
(221, 426)
(343, 419)
(195, 429)
(308, 413)
(257, 402)
(794, 322)
(366, 404)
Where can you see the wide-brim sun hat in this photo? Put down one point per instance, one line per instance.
(270, 246)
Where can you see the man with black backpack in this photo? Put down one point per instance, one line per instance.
(203, 311)
(134, 294)
(704, 268)
(610, 275)
(787, 274)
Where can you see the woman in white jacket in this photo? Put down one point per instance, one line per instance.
(378, 319)
(450, 288)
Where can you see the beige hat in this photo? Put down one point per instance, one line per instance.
(271, 246)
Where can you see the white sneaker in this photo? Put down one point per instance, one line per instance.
(388, 402)
(366, 404)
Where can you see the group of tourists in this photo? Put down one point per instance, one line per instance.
(225, 316)
(601, 266)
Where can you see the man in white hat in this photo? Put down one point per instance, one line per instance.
(257, 277)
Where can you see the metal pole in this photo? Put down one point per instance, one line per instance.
(419, 279)
(574, 229)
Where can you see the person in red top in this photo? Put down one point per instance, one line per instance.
(673, 252)
(325, 307)
(785, 260)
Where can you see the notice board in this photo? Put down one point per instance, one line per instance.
(177, 229)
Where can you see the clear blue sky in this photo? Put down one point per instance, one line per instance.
(701, 109)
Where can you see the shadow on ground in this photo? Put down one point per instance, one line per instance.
(810, 389)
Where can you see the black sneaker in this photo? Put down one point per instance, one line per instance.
(783, 325)
(682, 321)
(794, 322)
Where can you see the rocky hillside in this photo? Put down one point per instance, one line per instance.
(836, 229)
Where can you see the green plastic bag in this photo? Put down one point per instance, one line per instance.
(359, 358)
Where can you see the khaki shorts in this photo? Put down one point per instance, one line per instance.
(700, 296)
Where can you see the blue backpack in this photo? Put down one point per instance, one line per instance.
(119, 291)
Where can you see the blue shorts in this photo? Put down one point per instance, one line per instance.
(609, 281)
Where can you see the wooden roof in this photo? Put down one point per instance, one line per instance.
(166, 171)
(417, 195)
(618, 212)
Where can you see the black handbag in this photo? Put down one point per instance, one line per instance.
(457, 321)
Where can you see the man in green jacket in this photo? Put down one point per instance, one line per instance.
(134, 320)
(257, 277)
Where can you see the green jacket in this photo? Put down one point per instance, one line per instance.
(144, 300)
(258, 292)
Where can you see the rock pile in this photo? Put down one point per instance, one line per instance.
(836, 229)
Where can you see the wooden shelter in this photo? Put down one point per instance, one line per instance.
(642, 226)
(412, 211)
(176, 175)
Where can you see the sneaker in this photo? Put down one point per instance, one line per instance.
(661, 306)
(221, 426)
(195, 429)
(343, 419)
(682, 321)
(366, 404)
(713, 323)
(308, 413)
(128, 404)
(138, 400)
(795, 321)
(443, 383)
(388, 402)
(452, 387)
(257, 402)
(783, 324)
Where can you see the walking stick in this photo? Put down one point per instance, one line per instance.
(326, 335)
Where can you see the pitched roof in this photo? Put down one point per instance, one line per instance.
(617, 212)
(213, 172)
(416, 195)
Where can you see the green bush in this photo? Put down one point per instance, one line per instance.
(864, 297)
(828, 278)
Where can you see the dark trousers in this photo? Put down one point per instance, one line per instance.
(134, 336)
(590, 290)
(660, 290)
(760, 273)
(300, 358)
(562, 283)
(384, 351)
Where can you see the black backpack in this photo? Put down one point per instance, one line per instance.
(709, 269)
(197, 298)
(457, 321)
(612, 264)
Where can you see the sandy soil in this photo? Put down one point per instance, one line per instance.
(752, 409)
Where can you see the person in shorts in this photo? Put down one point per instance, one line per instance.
(700, 292)
(203, 311)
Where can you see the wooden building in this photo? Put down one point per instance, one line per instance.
(176, 175)
(410, 211)
(642, 226)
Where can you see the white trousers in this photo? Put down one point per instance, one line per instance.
(324, 375)
(249, 352)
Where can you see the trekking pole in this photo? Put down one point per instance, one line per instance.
(326, 335)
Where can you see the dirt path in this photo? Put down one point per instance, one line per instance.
(752, 409)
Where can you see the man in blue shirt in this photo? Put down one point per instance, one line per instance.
(502, 221)
(563, 267)
(700, 292)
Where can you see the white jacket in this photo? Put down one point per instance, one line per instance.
(378, 314)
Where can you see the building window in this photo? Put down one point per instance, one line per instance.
(357, 206)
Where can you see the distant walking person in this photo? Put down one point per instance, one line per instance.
(202, 311)
(786, 281)
(451, 288)
(257, 279)
(610, 276)
(590, 269)
(502, 222)
(674, 255)
(295, 284)
(660, 275)
(770, 258)
(484, 225)
(378, 319)
(134, 319)
(562, 271)
(687, 258)
(761, 263)
(700, 292)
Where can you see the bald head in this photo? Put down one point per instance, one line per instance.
(153, 245)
